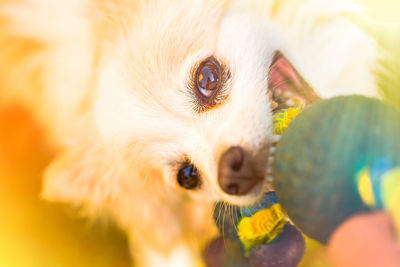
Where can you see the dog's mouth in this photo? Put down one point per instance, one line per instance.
(286, 87)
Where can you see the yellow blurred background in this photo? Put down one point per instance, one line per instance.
(384, 23)
(34, 233)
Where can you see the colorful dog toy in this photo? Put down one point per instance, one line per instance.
(339, 157)
(258, 236)
(336, 158)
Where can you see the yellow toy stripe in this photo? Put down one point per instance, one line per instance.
(261, 228)
(282, 119)
(365, 187)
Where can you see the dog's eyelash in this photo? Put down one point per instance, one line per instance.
(221, 95)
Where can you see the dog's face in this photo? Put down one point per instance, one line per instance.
(184, 94)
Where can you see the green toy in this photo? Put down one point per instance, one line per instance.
(339, 157)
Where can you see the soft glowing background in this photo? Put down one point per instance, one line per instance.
(34, 233)
(384, 23)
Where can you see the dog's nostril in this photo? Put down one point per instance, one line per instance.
(232, 189)
(234, 157)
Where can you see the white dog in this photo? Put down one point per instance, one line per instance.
(161, 107)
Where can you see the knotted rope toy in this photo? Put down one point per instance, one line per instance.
(257, 235)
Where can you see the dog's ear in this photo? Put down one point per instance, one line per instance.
(84, 177)
(284, 78)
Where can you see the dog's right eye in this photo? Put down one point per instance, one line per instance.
(209, 81)
(188, 177)
(208, 77)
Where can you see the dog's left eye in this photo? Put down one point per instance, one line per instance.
(188, 177)
(208, 77)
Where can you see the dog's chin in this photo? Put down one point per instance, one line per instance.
(250, 198)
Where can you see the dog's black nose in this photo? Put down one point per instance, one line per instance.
(235, 173)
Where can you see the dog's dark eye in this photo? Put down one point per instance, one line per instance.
(208, 77)
(209, 84)
(188, 177)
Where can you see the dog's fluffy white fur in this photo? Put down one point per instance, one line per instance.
(108, 79)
